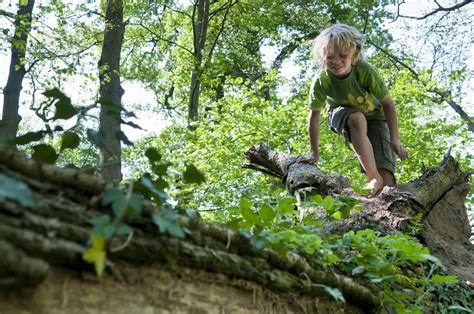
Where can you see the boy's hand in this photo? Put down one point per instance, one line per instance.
(399, 149)
(311, 159)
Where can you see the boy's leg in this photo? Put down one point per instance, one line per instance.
(388, 177)
(379, 137)
(357, 125)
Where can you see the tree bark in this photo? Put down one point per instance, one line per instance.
(111, 92)
(438, 195)
(11, 93)
(199, 39)
(53, 233)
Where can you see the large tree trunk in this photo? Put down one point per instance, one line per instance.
(11, 93)
(438, 195)
(111, 92)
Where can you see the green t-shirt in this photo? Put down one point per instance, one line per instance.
(362, 89)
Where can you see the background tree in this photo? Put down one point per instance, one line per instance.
(11, 93)
(111, 92)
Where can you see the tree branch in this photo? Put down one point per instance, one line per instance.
(439, 9)
(445, 95)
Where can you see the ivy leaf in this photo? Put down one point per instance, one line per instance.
(111, 195)
(69, 140)
(44, 153)
(16, 190)
(135, 205)
(96, 253)
(259, 243)
(123, 229)
(167, 221)
(192, 175)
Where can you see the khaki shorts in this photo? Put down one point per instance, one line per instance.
(377, 131)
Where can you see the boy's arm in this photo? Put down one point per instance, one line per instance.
(391, 116)
(313, 128)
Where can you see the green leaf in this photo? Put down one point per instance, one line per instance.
(153, 155)
(69, 140)
(328, 203)
(444, 279)
(192, 175)
(247, 212)
(160, 169)
(64, 109)
(148, 184)
(96, 253)
(111, 195)
(345, 212)
(167, 221)
(54, 93)
(336, 215)
(259, 243)
(29, 137)
(318, 199)
(135, 205)
(460, 308)
(23, 2)
(102, 225)
(123, 230)
(115, 198)
(287, 206)
(44, 153)
(335, 293)
(16, 190)
(358, 270)
(266, 214)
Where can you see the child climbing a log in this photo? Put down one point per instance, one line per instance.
(360, 107)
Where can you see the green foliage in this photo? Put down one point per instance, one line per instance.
(242, 102)
(396, 263)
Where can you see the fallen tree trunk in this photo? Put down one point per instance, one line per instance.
(46, 238)
(438, 195)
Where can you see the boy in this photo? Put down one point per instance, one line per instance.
(360, 107)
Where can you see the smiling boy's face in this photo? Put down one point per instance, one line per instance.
(338, 61)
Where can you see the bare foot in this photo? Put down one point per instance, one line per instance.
(375, 186)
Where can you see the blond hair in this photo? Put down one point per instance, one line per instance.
(341, 37)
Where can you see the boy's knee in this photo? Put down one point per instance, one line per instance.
(357, 121)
